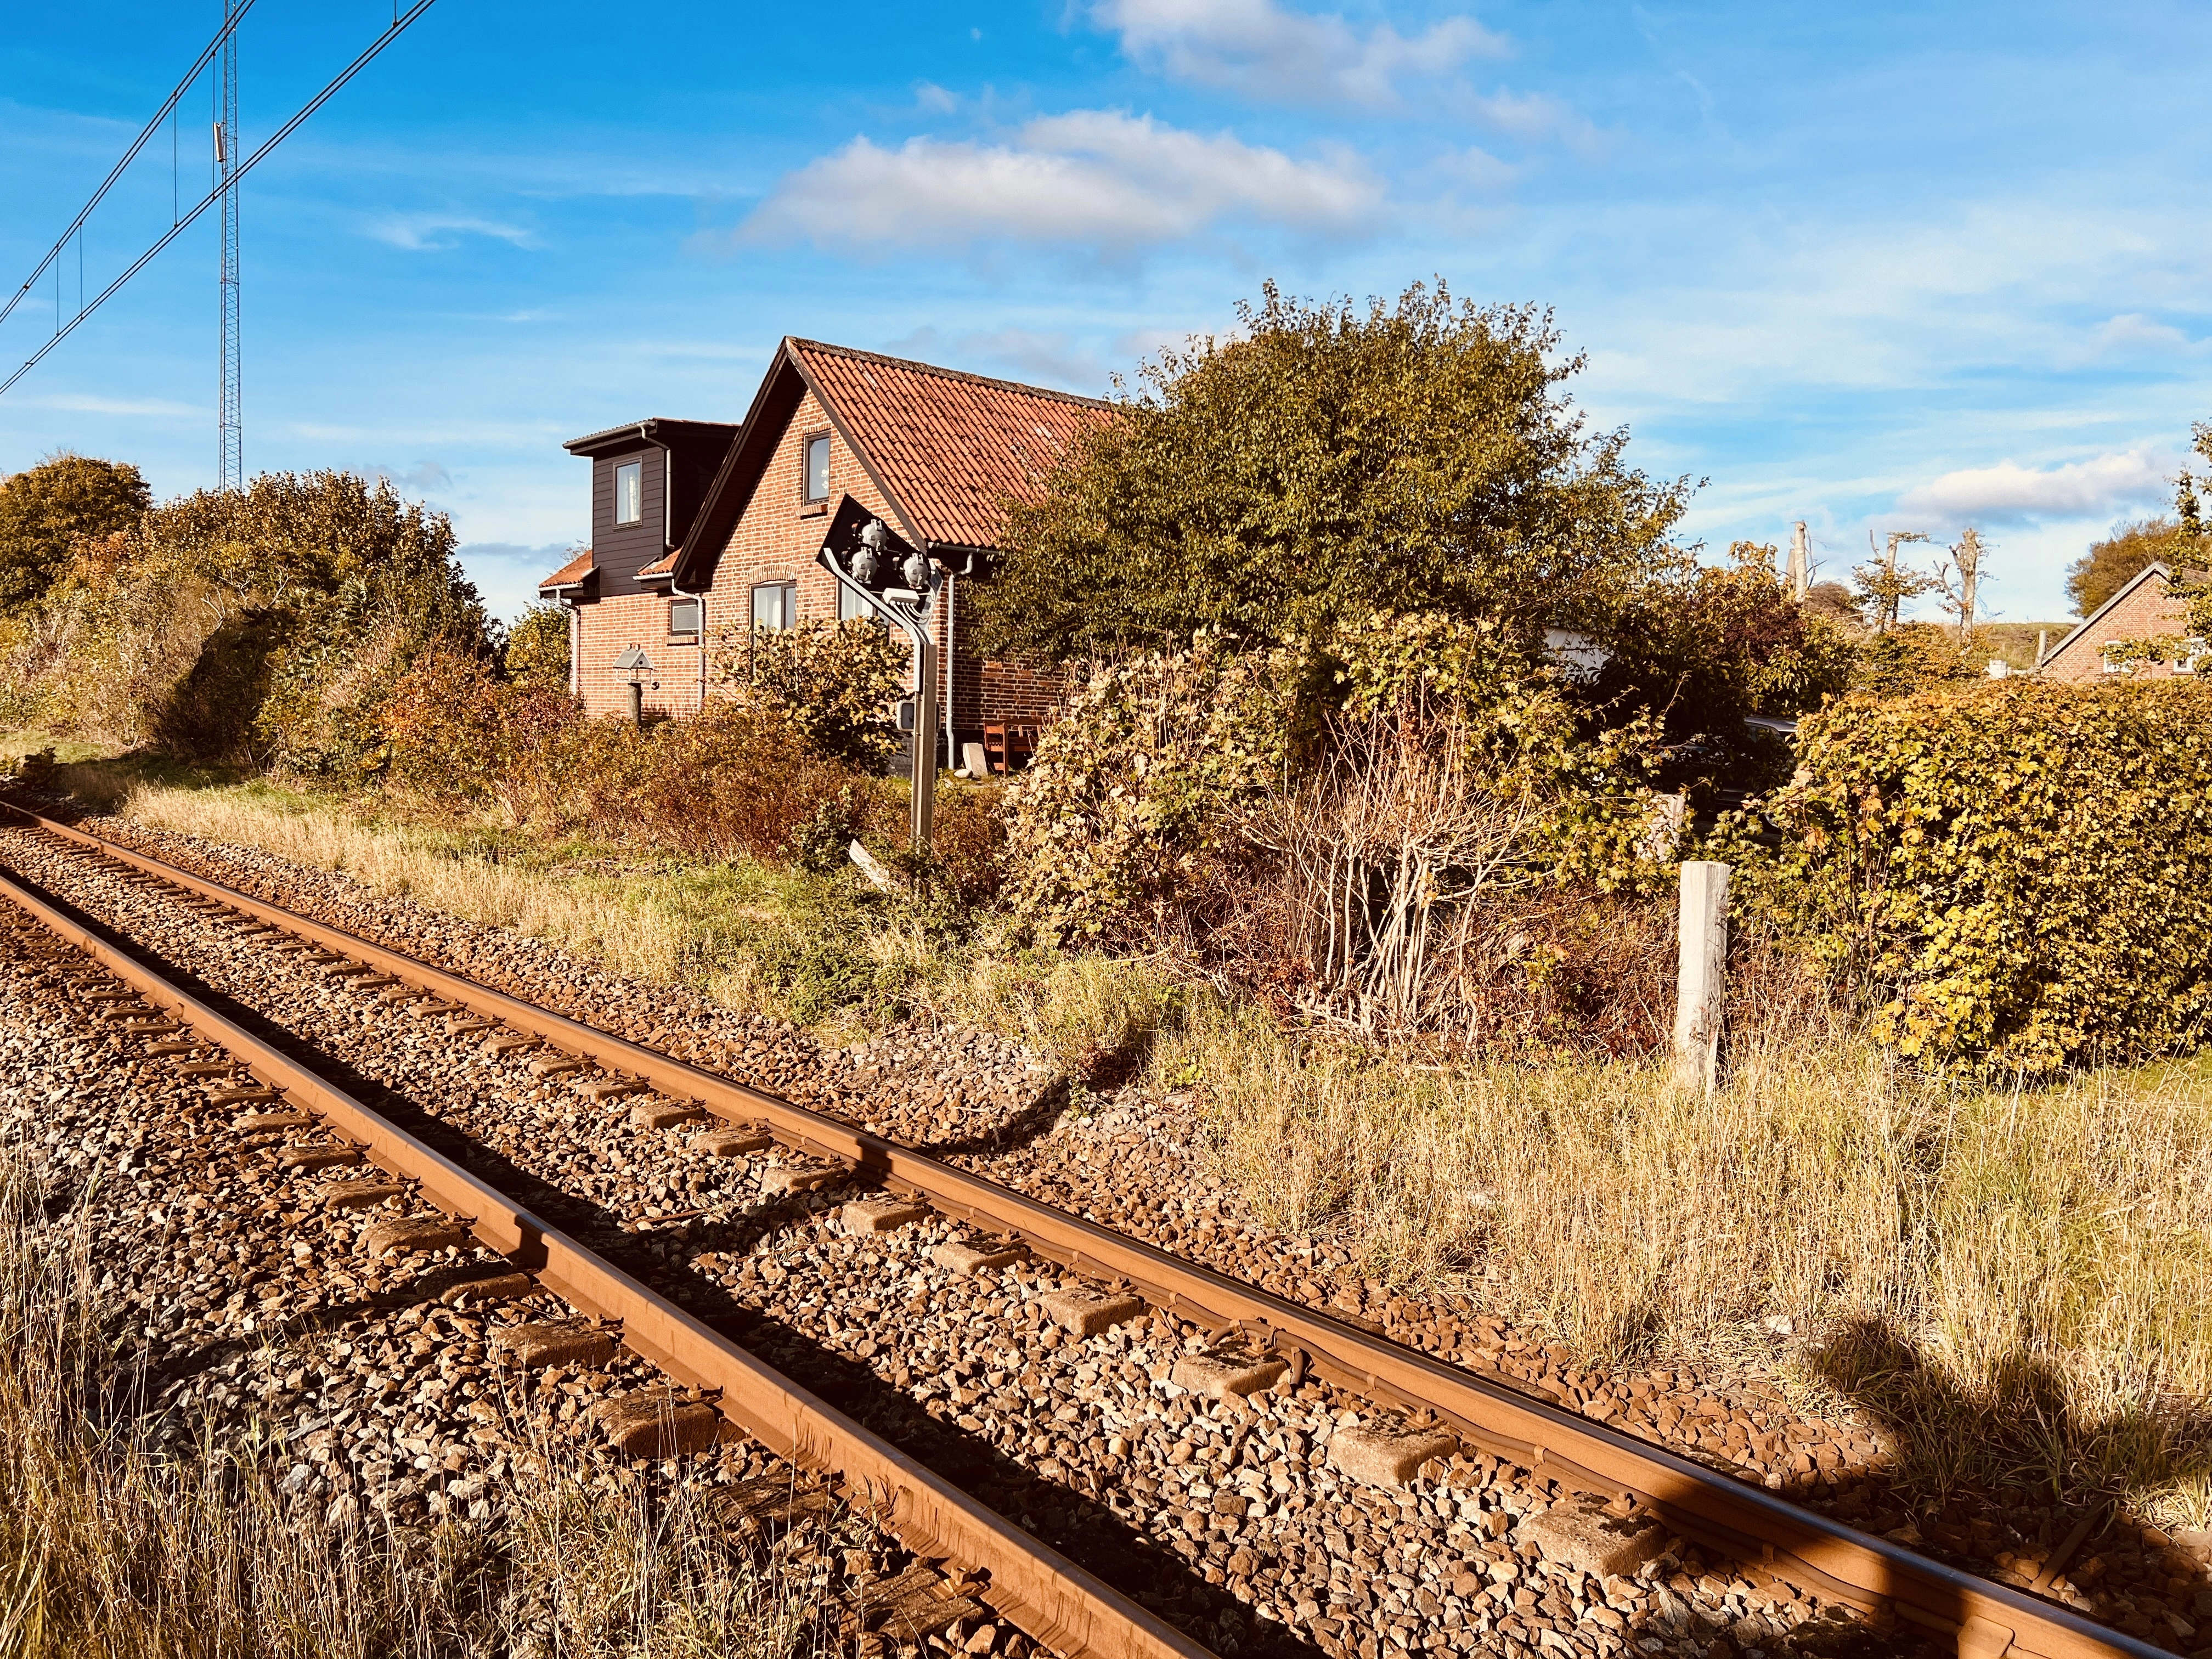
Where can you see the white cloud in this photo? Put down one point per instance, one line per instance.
(1258, 48)
(424, 478)
(928, 95)
(434, 232)
(2076, 489)
(1535, 118)
(1475, 169)
(1096, 179)
(2133, 331)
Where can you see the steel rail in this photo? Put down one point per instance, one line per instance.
(1748, 1524)
(1032, 1584)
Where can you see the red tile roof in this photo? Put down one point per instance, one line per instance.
(664, 565)
(950, 447)
(569, 574)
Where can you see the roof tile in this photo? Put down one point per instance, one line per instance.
(950, 447)
(569, 574)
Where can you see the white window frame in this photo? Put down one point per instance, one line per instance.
(789, 605)
(807, 467)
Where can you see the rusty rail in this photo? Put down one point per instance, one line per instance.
(1799, 1545)
(1032, 1584)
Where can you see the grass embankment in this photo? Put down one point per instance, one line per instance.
(2020, 1283)
(825, 950)
(110, 1551)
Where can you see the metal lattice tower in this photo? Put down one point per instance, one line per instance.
(226, 161)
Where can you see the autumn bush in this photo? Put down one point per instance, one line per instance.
(1410, 830)
(258, 627)
(832, 684)
(2019, 875)
(733, 781)
(970, 841)
(1131, 792)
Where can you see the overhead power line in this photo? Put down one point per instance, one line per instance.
(229, 26)
(62, 332)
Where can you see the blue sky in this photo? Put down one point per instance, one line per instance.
(1874, 266)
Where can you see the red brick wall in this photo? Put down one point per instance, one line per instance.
(1007, 691)
(2146, 613)
(609, 627)
(777, 535)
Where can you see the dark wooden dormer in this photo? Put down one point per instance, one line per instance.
(648, 478)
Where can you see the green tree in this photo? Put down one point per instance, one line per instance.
(2106, 568)
(535, 654)
(1881, 585)
(1326, 464)
(43, 509)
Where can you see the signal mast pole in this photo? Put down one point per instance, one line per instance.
(228, 418)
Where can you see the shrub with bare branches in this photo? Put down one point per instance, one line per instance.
(1411, 894)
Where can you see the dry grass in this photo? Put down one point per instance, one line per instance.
(108, 1550)
(1095, 1017)
(2020, 1283)
(676, 926)
(727, 930)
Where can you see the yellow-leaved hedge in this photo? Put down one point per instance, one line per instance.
(2023, 871)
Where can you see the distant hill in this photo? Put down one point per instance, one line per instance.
(2016, 641)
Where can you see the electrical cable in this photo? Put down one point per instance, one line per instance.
(54, 254)
(215, 195)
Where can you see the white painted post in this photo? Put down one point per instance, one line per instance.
(1701, 982)
(1800, 564)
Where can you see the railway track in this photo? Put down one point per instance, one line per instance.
(1225, 1352)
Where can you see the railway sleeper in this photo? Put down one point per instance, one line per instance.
(1977, 1638)
(661, 1422)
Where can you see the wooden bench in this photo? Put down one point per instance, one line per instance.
(1008, 744)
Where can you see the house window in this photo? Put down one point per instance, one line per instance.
(684, 620)
(629, 492)
(851, 605)
(775, 605)
(817, 467)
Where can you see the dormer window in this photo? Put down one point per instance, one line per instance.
(629, 493)
(817, 467)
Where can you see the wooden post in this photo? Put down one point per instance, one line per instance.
(1701, 983)
(1800, 564)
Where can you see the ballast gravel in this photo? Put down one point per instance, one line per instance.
(1235, 1518)
(256, 1319)
(977, 1099)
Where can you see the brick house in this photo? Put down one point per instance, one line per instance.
(2144, 608)
(700, 526)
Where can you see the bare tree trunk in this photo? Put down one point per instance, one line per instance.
(1969, 566)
